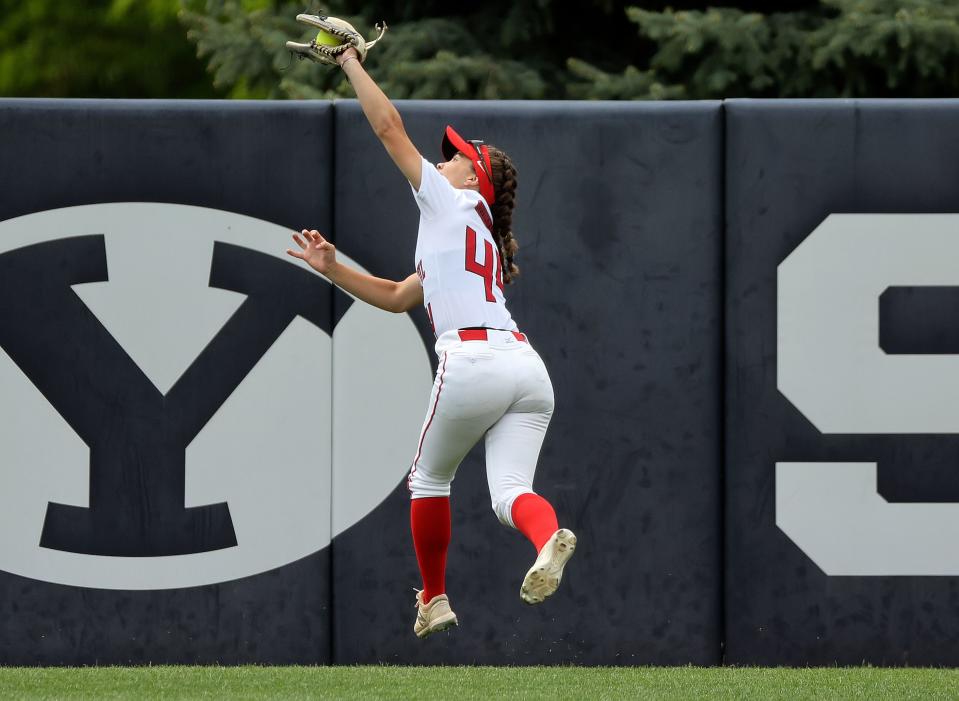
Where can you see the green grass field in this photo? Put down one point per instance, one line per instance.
(462, 683)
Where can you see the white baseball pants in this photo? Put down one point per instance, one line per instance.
(498, 387)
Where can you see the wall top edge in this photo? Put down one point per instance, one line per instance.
(839, 102)
(313, 104)
(127, 103)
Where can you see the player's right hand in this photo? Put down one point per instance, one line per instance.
(315, 250)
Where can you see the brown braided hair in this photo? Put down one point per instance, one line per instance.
(504, 185)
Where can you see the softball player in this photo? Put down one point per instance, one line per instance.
(489, 380)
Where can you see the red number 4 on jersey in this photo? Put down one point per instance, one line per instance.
(485, 269)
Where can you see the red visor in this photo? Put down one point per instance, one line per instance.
(478, 154)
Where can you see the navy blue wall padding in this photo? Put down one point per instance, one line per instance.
(619, 223)
(789, 164)
(272, 161)
(650, 235)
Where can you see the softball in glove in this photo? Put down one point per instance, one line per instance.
(322, 53)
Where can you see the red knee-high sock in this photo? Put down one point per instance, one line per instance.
(430, 523)
(534, 517)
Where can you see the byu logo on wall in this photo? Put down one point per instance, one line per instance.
(184, 404)
(833, 369)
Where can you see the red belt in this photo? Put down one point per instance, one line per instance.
(481, 335)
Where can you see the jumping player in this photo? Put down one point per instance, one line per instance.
(489, 380)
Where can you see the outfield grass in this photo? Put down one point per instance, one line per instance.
(462, 683)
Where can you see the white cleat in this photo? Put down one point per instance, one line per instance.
(544, 576)
(434, 616)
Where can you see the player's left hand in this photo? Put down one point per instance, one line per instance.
(319, 253)
(341, 58)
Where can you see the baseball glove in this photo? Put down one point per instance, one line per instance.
(345, 31)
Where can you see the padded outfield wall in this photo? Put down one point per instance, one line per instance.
(842, 295)
(746, 309)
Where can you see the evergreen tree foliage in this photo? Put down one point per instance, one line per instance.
(843, 48)
(520, 49)
(99, 48)
(500, 49)
(882, 48)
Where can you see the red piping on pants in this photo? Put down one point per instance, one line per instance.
(419, 449)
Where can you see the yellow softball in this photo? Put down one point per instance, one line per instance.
(324, 38)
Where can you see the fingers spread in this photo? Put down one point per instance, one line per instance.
(312, 238)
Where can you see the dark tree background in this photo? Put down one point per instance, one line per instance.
(98, 48)
(497, 49)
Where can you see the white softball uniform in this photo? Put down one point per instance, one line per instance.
(456, 257)
(488, 381)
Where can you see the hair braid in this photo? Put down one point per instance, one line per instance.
(504, 183)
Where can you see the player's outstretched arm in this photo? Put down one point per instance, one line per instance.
(392, 296)
(383, 118)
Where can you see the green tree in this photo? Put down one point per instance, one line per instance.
(843, 48)
(501, 49)
(101, 48)
(907, 48)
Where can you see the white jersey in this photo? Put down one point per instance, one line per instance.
(457, 260)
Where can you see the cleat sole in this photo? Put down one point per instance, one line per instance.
(543, 578)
